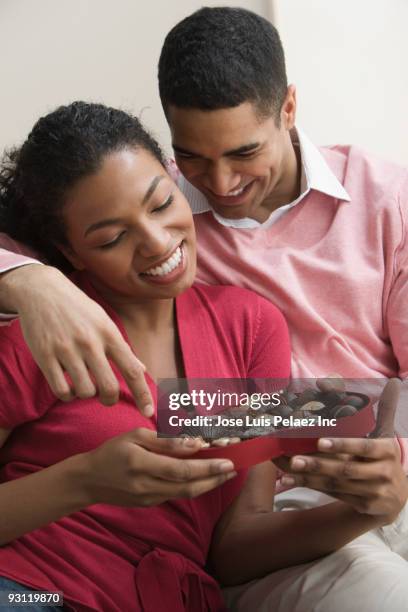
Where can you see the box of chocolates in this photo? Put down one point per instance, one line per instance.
(247, 436)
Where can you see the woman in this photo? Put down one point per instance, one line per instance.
(89, 190)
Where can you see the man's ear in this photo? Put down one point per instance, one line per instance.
(72, 257)
(288, 111)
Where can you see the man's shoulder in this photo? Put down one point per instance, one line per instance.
(355, 164)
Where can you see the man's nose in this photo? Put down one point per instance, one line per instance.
(221, 179)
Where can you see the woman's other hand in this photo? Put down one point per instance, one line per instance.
(140, 469)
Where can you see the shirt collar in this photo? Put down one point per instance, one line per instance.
(316, 175)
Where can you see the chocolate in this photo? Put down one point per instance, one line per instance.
(343, 411)
(332, 382)
(311, 404)
(355, 400)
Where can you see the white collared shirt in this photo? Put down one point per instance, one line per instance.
(315, 174)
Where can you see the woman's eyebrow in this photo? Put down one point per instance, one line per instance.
(100, 224)
(105, 222)
(152, 187)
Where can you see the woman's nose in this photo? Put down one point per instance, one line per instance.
(154, 242)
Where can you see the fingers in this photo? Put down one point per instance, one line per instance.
(176, 447)
(283, 463)
(57, 381)
(366, 448)
(105, 380)
(186, 470)
(176, 469)
(189, 489)
(82, 385)
(133, 371)
(338, 469)
(225, 441)
(91, 374)
(329, 484)
(387, 407)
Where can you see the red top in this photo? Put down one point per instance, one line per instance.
(112, 558)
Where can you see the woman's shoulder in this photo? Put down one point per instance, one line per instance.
(225, 293)
(12, 339)
(25, 393)
(235, 300)
(245, 322)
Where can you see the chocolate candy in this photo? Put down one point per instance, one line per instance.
(332, 382)
(284, 410)
(343, 411)
(312, 406)
(355, 400)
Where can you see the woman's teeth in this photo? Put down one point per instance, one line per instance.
(168, 266)
(236, 192)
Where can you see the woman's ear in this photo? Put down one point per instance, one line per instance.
(73, 259)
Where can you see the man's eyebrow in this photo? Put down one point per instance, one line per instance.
(238, 151)
(152, 187)
(244, 149)
(178, 149)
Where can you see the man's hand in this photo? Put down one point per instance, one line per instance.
(365, 473)
(67, 332)
(135, 469)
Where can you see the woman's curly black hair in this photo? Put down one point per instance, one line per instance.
(64, 146)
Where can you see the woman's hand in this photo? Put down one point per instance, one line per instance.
(134, 469)
(365, 473)
(67, 332)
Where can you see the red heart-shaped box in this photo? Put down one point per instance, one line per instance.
(256, 450)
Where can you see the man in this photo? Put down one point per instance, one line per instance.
(322, 233)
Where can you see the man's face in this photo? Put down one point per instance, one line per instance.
(244, 165)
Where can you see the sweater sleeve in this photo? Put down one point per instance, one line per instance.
(13, 255)
(397, 311)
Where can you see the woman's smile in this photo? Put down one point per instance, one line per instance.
(169, 270)
(139, 239)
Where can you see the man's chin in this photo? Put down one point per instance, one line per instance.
(231, 212)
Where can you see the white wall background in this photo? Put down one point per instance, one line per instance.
(56, 51)
(347, 58)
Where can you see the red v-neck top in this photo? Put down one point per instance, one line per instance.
(114, 559)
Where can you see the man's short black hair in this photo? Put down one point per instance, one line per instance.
(220, 58)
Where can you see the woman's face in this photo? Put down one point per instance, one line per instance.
(131, 229)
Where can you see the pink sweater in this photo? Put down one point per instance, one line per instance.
(338, 270)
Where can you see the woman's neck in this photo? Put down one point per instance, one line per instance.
(155, 315)
(151, 329)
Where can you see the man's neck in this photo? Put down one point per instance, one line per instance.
(288, 188)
